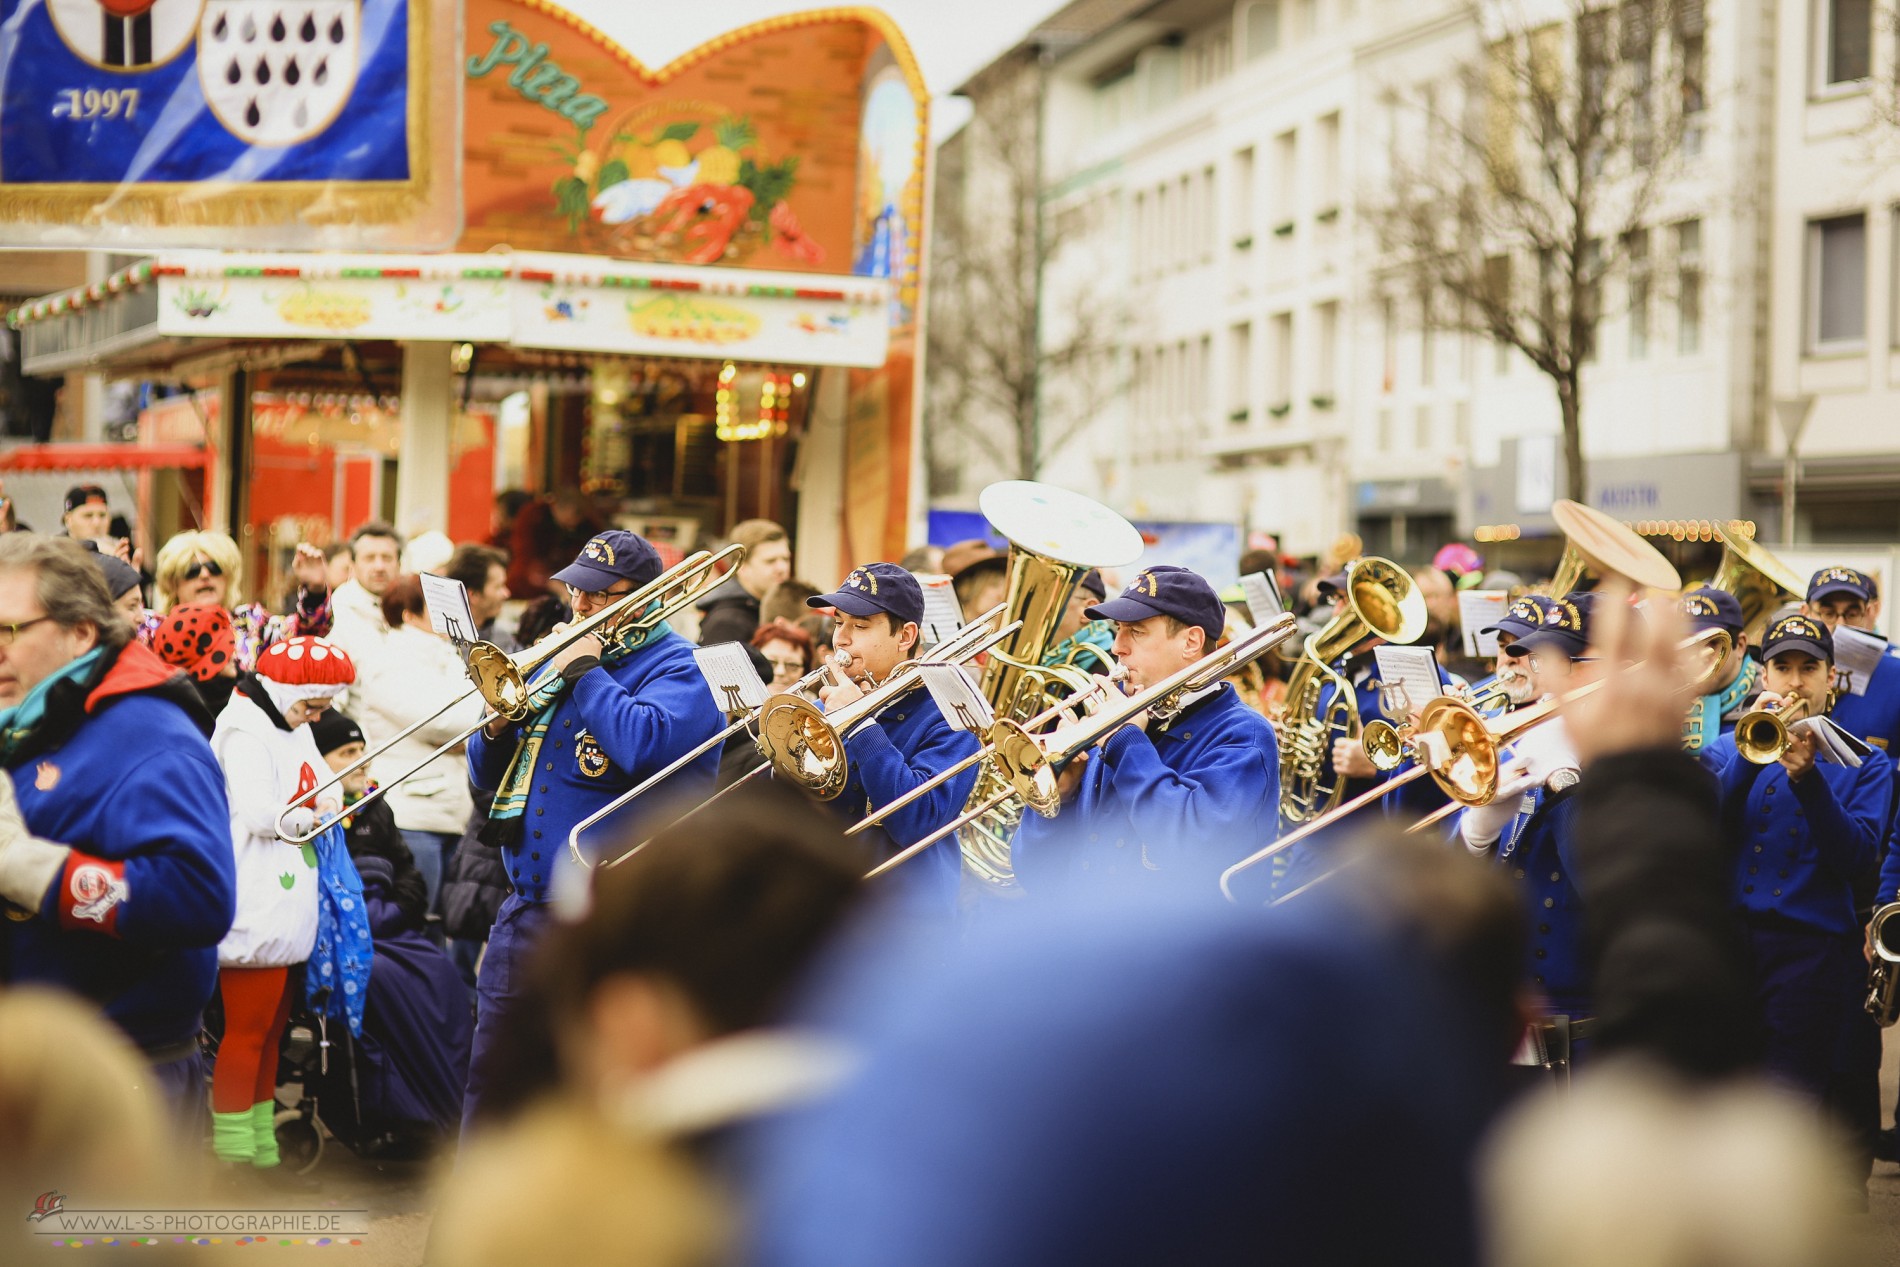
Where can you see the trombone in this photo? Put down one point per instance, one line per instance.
(793, 729)
(503, 680)
(1390, 746)
(1027, 764)
(1461, 750)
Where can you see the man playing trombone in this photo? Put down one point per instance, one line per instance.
(1713, 715)
(609, 709)
(880, 610)
(1164, 799)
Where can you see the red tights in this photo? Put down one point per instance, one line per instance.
(256, 1008)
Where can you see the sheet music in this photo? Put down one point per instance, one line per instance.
(1857, 653)
(962, 706)
(1413, 668)
(1476, 610)
(735, 684)
(449, 612)
(942, 616)
(1832, 744)
(1263, 597)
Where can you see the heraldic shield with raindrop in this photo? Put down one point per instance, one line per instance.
(305, 107)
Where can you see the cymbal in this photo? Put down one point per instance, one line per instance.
(1612, 549)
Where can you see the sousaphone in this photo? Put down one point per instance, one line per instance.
(1599, 546)
(1759, 581)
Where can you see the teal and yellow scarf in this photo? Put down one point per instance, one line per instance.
(19, 723)
(544, 696)
(1704, 723)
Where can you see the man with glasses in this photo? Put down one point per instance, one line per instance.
(115, 845)
(609, 709)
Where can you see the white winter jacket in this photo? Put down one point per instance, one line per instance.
(357, 625)
(414, 674)
(276, 923)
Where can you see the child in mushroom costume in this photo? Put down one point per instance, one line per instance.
(264, 745)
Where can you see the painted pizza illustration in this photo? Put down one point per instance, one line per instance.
(278, 73)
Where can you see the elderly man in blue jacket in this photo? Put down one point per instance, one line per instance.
(115, 840)
(1164, 800)
(609, 709)
(880, 609)
(1804, 830)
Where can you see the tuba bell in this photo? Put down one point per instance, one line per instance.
(1759, 581)
(1597, 545)
(1381, 601)
(1055, 536)
(1883, 975)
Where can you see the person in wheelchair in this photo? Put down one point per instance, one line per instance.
(405, 1088)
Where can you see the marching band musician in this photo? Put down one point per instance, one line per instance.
(1525, 614)
(1846, 596)
(1528, 827)
(1164, 798)
(1803, 831)
(609, 710)
(1080, 640)
(1713, 715)
(880, 610)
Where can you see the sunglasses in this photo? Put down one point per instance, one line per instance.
(204, 567)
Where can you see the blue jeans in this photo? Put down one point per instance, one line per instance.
(432, 850)
(518, 927)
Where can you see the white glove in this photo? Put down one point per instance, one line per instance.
(28, 865)
(1481, 825)
(299, 821)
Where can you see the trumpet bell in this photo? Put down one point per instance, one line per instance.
(1883, 983)
(1596, 543)
(803, 746)
(1761, 734)
(1384, 745)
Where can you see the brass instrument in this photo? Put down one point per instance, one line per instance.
(1883, 972)
(1758, 580)
(1461, 750)
(803, 743)
(1025, 764)
(1388, 746)
(503, 680)
(1382, 602)
(1597, 545)
(1762, 734)
(1055, 536)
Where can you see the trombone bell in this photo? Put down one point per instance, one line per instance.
(1599, 545)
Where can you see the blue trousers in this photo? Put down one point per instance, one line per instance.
(518, 928)
(1810, 983)
(432, 850)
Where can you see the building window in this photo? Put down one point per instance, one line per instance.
(1326, 363)
(1209, 217)
(1689, 287)
(1389, 342)
(1422, 427)
(1382, 433)
(1139, 265)
(1243, 226)
(1329, 164)
(1188, 215)
(1203, 394)
(1846, 40)
(1262, 23)
(1461, 424)
(1837, 281)
(1636, 256)
(1240, 372)
(1280, 367)
(1286, 176)
(1427, 339)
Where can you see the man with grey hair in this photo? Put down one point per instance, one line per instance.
(115, 850)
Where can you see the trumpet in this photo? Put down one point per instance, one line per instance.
(1462, 750)
(1028, 763)
(503, 680)
(1883, 974)
(1390, 746)
(1762, 735)
(801, 742)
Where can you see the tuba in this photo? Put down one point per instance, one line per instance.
(1883, 976)
(1597, 545)
(1055, 536)
(1381, 601)
(1756, 578)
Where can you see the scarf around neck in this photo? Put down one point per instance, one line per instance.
(20, 725)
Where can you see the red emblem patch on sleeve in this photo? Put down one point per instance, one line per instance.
(91, 891)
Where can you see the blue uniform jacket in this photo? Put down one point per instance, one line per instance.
(136, 781)
(1800, 848)
(903, 746)
(1875, 716)
(611, 728)
(1171, 806)
(1536, 853)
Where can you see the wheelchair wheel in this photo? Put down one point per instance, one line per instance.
(299, 1141)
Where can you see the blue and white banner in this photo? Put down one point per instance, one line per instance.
(228, 122)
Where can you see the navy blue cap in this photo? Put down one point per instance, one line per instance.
(1164, 590)
(1565, 628)
(1711, 608)
(1092, 582)
(1798, 633)
(877, 587)
(1525, 613)
(1839, 580)
(610, 556)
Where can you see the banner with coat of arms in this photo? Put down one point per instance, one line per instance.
(293, 124)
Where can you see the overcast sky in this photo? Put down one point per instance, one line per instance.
(952, 38)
